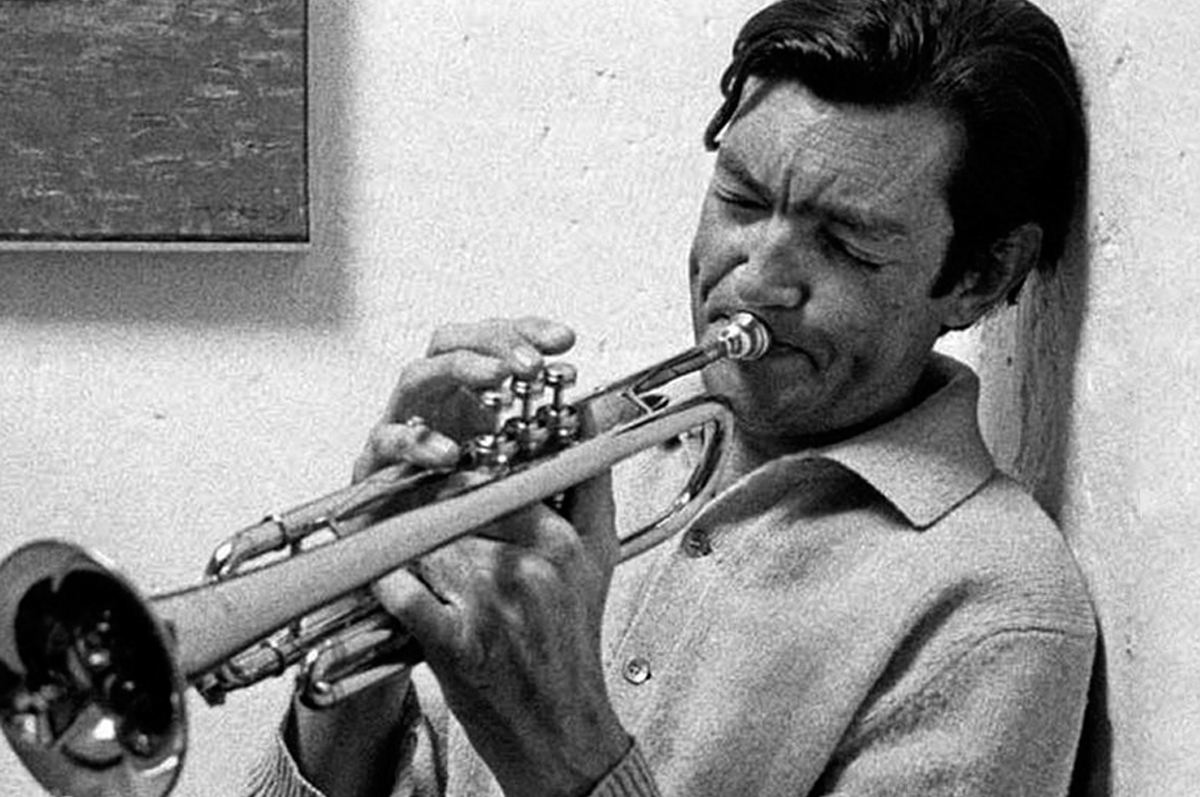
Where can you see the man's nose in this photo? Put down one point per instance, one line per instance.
(773, 273)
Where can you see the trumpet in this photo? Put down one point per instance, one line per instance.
(93, 675)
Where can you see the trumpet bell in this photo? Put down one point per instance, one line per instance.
(91, 700)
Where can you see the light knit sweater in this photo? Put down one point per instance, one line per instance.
(888, 616)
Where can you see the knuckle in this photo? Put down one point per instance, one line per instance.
(374, 456)
(562, 549)
(457, 335)
(442, 337)
(475, 368)
(364, 465)
(513, 576)
(389, 591)
(470, 660)
(375, 449)
(412, 372)
(532, 572)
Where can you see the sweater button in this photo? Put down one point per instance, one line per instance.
(637, 671)
(696, 543)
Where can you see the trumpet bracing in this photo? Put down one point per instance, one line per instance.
(92, 675)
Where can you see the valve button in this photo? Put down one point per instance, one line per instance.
(697, 543)
(637, 671)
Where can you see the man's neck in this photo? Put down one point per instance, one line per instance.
(751, 448)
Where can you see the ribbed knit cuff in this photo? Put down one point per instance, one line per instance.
(631, 777)
(277, 775)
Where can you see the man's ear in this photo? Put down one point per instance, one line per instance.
(1008, 262)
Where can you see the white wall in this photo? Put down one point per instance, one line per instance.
(471, 158)
(1110, 443)
(479, 157)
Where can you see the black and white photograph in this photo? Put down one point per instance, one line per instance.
(599, 398)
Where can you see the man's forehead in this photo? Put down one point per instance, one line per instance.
(783, 132)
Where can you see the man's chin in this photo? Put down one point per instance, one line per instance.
(773, 389)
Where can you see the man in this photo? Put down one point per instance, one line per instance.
(867, 607)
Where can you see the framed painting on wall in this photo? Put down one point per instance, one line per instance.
(146, 122)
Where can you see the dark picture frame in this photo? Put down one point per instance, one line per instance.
(154, 122)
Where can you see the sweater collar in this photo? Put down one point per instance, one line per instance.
(930, 459)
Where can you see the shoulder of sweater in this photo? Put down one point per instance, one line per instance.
(1002, 529)
(1001, 558)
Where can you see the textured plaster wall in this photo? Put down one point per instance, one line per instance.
(475, 158)
(1093, 384)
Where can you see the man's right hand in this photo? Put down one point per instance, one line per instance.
(442, 389)
(346, 750)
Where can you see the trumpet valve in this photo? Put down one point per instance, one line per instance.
(485, 450)
(531, 418)
(488, 452)
(527, 392)
(558, 378)
(557, 417)
(495, 402)
(522, 428)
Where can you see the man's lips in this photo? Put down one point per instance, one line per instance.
(782, 350)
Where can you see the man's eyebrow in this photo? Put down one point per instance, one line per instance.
(860, 220)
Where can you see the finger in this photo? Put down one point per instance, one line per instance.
(431, 618)
(590, 505)
(551, 337)
(553, 538)
(591, 509)
(588, 515)
(412, 441)
(497, 334)
(535, 527)
(438, 598)
(447, 392)
(520, 343)
(434, 380)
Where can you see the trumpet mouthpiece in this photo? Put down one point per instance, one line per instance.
(746, 337)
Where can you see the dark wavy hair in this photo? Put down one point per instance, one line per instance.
(999, 69)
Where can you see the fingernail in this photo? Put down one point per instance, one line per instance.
(441, 448)
(527, 358)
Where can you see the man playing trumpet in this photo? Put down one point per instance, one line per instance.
(867, 606)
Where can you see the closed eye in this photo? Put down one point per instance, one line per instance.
(743, 200)
(852, 252)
